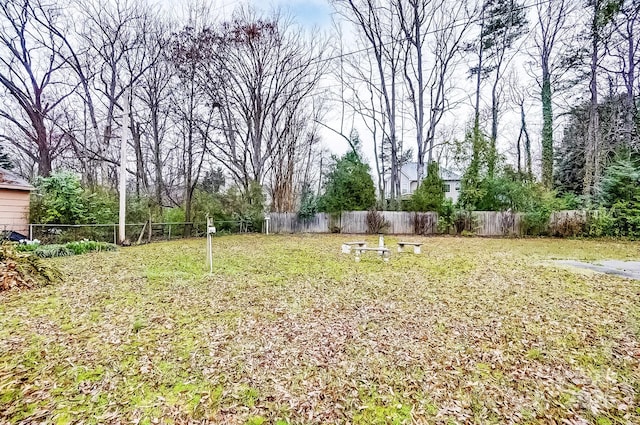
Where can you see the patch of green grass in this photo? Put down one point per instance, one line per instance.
(289, 330)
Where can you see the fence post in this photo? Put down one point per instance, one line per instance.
(169, 232)
(30, 232)
(115, 234)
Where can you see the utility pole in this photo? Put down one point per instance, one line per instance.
(122, 236)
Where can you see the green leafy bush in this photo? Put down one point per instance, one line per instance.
(60, 199)
(51, 251)
(601, 223)
(82, 247)
(173, 215)
(27, 247)
(446, 218)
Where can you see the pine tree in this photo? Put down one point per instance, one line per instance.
(430, 194)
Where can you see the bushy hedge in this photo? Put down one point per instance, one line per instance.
(65, 250)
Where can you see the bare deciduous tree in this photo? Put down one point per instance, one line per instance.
(30, 71)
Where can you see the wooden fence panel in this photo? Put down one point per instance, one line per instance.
(570, 223)
(291, 223)
(486, 223)
(400, 222)
(354, 222)
(559, 217)
(427, 223)
(497, 223)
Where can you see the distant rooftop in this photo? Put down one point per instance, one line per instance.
(9, 180)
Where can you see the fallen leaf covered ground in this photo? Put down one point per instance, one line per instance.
(287, 330)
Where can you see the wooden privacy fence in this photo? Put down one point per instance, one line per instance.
(399, 222)
(291, 223)
(497, 223)
(484, 223)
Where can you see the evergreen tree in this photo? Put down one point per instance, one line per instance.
(430, 194)
(348, 186)
(619, 191)
(571, 159)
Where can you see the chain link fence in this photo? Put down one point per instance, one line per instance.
(135, 232)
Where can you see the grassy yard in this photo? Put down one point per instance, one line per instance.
(289, 331)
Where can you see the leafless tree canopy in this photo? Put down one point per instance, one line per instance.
(256, 94)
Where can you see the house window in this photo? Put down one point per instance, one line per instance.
(446, 187)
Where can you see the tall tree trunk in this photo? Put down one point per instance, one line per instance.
(592, 166)
(547, 126)
(630, 83)
(476, 115)
(44, 153)
(157, 155)
(141, 173)
(493, 155)
(527, 143)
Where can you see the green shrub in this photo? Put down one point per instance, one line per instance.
(51, 251)
(82, 247)
(27, 247)
(60, 199)
(600, 223)
(446, 218)
(173, 215)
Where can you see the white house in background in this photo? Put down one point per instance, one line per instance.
(409, 181)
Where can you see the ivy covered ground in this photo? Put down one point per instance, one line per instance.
(289, 331)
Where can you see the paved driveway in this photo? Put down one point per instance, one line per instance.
(628, 269)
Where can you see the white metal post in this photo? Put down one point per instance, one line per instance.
(211, 230)
(123, 166)
(209, 261)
